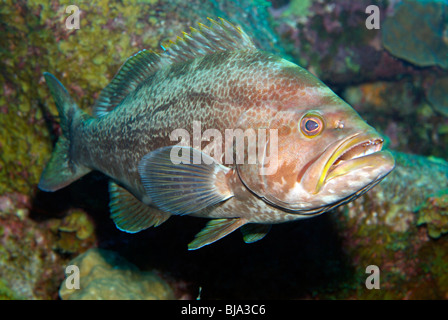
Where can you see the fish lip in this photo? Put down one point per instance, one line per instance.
(356, 144)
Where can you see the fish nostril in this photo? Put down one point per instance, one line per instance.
(339, 124)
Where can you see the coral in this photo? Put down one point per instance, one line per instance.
(416, 32)
(6, 293)
(331, 40)
(434, 213)
(388, 226)
(78, 222)
(399, 110)
(74, 233)
(105, 275)
(436, 95)
(29, 267)
(383, 228)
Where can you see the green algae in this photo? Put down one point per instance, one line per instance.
(24, 101)
(298, 8)
(351, 65)
(74, 56)
(74, 233)
(434, 213)
(6, 293)
(382, 228)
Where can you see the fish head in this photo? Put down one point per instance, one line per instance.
(324, 154)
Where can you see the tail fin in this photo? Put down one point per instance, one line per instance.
(61, 170)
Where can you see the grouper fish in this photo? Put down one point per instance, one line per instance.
(313, 151)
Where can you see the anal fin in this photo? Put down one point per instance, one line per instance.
(130, 214)
(215, 230)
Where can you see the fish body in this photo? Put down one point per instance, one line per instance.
(311, 150)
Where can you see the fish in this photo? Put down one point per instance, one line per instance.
(308, 151)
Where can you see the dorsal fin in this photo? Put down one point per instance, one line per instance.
(221, 36)
(135, 70)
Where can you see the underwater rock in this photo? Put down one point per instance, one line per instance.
(74, 233)
(417, 32)
(105, 275)
(437, 95)
(325, 36)
(434, 213)
(395, 201)
(382, 97)
(78, 222)
(388, 227)
(399, 110)
(330, 39)
(29, 268)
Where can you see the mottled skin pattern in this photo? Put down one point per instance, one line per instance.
(215, 89)
(228, 89)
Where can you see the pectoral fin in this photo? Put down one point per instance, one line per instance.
(185, 187)
(254, 232)
(130, 214)
(215, 230)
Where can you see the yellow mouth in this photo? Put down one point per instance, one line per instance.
(355, 152)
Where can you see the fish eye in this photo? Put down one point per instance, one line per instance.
(311, 125)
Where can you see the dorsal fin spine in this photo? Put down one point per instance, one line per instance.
(220, 36)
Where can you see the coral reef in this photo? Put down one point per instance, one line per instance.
(35, 39)
(6, 293)
(436, 95)
(74, 233)
(416, 32)
(398, 86)
(384, 228)
(29, 268)
(331, 40)
(400, 111)
(434, 213)
(104, 275)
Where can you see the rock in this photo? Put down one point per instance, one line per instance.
(331, 40)
(434, 213)
(417, 32)
(29, 268)
(104, 275)
(399, 110)
(389, 227)
(437, 95)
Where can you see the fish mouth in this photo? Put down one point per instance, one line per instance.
(359, 151)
